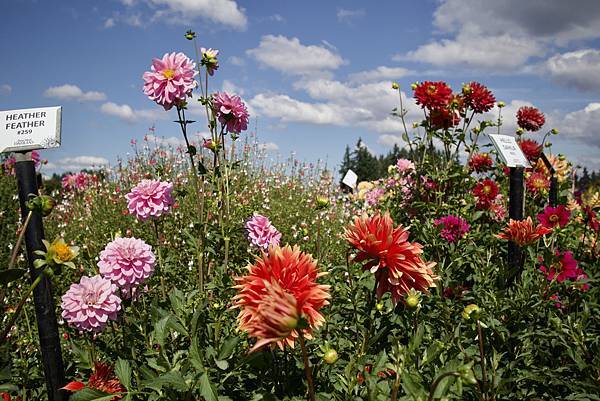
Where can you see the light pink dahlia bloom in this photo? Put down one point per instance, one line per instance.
(231, 112)
(261, 232)
(127, 262)
(90, 304)
(171, 79)
(150, 199)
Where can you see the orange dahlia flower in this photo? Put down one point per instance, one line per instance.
(523, 232)
(395, 261)
(279, 290)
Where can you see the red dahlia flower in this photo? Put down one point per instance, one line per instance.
(523, 232)
(486, 192)
(531, 148)
(396, 262)
(530, 118)
(103, 379)
(537, 183)
(565, 268)
(444, 118)
(433, 95)
(280, 288)
(478, 97)
(554, 216)
(480, 162)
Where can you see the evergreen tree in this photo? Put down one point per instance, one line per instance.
(366, 165)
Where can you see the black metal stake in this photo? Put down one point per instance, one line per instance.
(42, 294)
(516, 208)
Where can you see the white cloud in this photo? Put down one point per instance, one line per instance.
(344, 15)
(5, 89)
(390, 140)
(268, 146)
(73, 92)
(109, 23)
(580, 69)
(289, 56)
(237, 61)
(130, 115)
(224, 12)
(380, 73)
(583, 125)
(76, 163)
(231, 88)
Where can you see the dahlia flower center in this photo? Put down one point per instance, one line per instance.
(63, 252)
(486, 189)
(91, 297)
(169, 74)
(553, 218)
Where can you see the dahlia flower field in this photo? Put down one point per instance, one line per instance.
(211, 272)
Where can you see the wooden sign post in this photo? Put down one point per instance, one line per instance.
(20, 132)
(515, 159)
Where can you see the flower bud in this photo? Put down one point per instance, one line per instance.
(330, 357)
(471, 311)
(414, 85)
(47, 203)
(501, 104)
(322, 202)
(395, 86)
(520, 131)
(554, 131)
(415, 124)
(412, 299)
(190, 35)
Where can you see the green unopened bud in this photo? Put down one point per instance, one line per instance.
(520, 131)
(554, 131)
(379, 306)
(322, 202)
(466, 89)
(189, 35)
(414, 85)
(47, 203)
(471, 311)
(501, 104)
(395, 86)
(330, 357)
(415, 124)
(412, 299)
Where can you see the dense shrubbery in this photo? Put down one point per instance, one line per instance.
(408, 297)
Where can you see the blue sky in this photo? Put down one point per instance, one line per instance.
(315, 75)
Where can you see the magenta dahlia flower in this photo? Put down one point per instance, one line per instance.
(171, 79)
(554, 216)
(127, 262)
(565, 268)
(90, 304)
(261, 232)
(453, 228)
(231, 112)
(150, 199)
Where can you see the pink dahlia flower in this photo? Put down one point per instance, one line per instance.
(231, 112)
(171, 79)
(554, 216)
(127, 262)
(565, 268)
(261, 232)
(90, 304)
(405, 166)
(150, 199)
(453, 228)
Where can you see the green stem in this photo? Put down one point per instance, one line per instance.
(482, 360)
(160, 262)
(437, 381)
(307, 369)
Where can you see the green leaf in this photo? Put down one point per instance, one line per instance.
(8, 275)
(8, 387)
(207, 390)
(195, 357)
(123, 372)
(223, 365)
(228, 347)
(172, 379)
(5, 373)
(90, 394)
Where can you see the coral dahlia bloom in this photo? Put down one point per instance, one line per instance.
(150, 199)
(171, 79)
(261, 232)
(486, 191)
(231, 112)
(127, 262)
(90, 304)
(478, 97)
(554, 216)
(537, 183)
(103, 379)
(396, 262)
(453, 229)
(267, 310)
(531, 149)
(433, 95)
(530, 118)
(480, 162)
(523, 232)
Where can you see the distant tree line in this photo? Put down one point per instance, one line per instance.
(587, 180)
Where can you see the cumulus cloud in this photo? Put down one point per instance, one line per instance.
(231, 88)
(580, 69)
(390, 140)
(5, 89)
(73, 92)
(130, 115)
(289, 56)
(344, 15)
(582, 125)
(380, 73)
(76, 163)
(109, 23)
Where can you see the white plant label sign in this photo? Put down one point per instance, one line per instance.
(509, 150)
(29, 129)
(350, 179)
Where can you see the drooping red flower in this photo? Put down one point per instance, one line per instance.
(554, 216)
(282, 271)
(486, 191)
(433, 95)
(531, 149)
(396, 262)
(530, 118)
(478, 97)
(103, 378)
(565, 268)
(523, 232)
(480, 162)
(537, 183)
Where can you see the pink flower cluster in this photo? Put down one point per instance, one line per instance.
(405, 166)
(9, 163)
(127, 262)
(453, 228)
(171, 80)
(150, 199)
(261, 232)
(231, 112)
(89, 305)
(565, 268)
(374, 196)
(77, 182)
